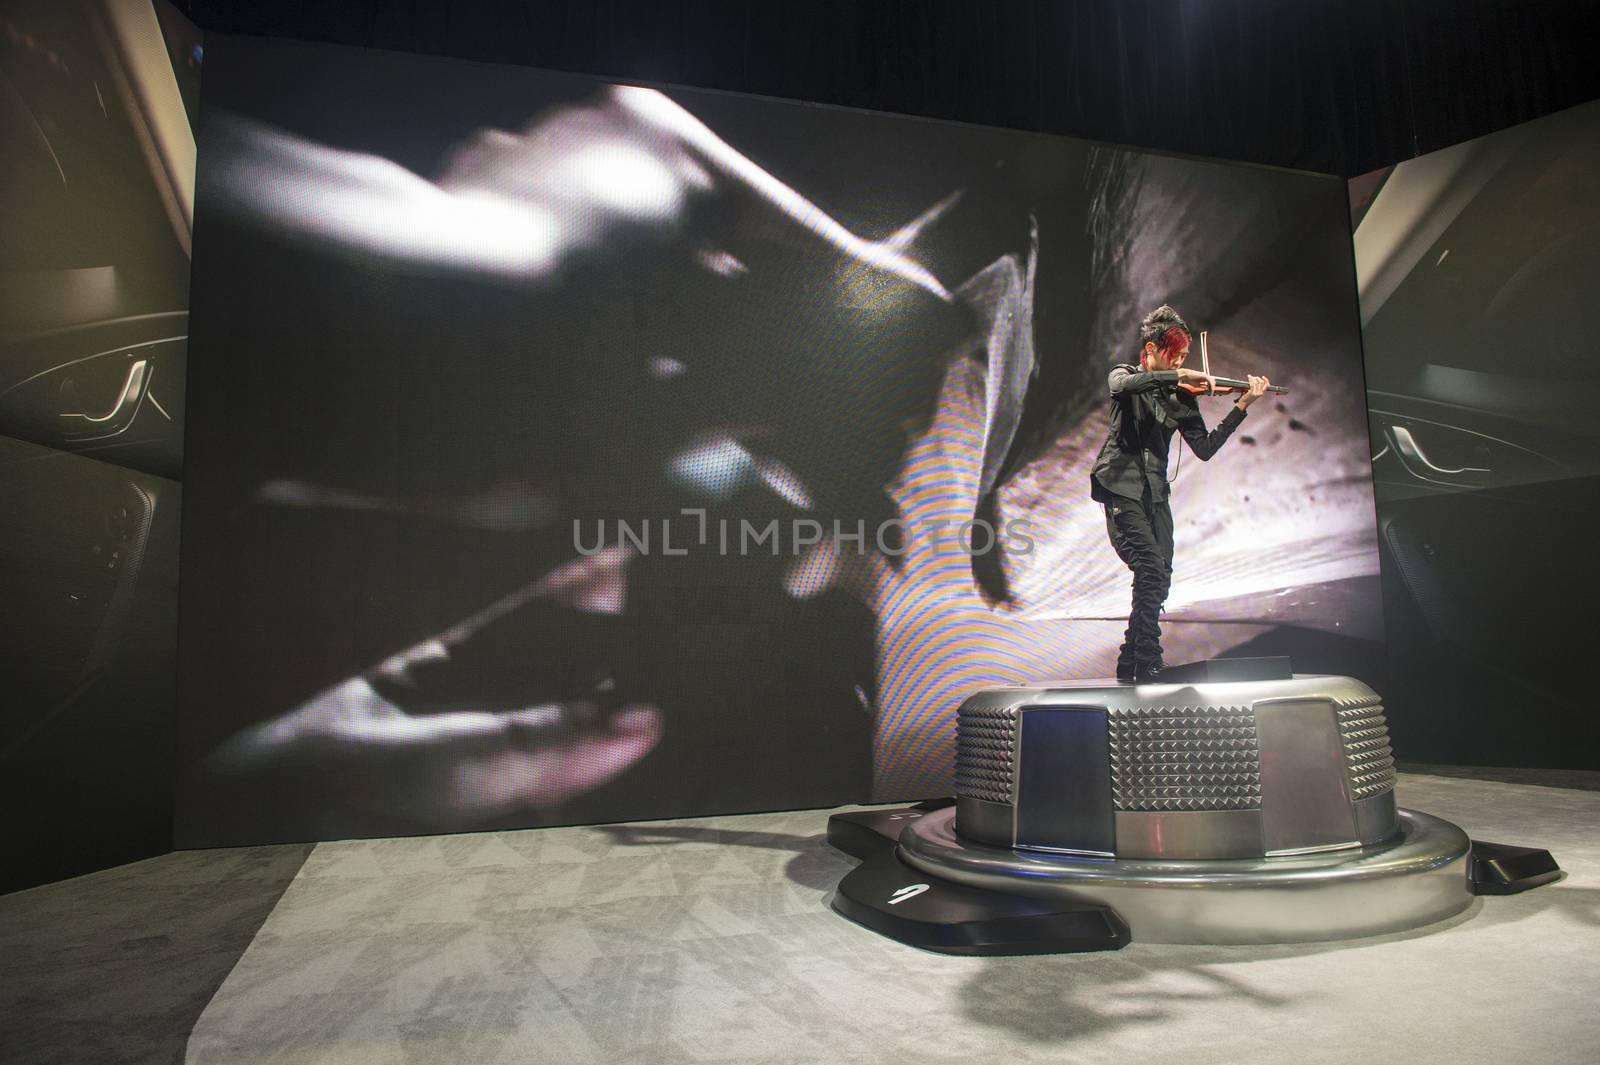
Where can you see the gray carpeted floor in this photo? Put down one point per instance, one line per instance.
(117, 966)
(711, 941)
(1581, 779)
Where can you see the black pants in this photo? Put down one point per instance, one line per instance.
(1141, 532)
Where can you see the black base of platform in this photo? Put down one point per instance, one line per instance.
(871, 832)
(895, 900)
(1501, 869)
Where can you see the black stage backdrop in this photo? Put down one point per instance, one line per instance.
(458, 326)
(1478, 266)
(96, 157)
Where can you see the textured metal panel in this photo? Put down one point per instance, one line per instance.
(1305, 794)
(1194, 748)
(1189, 834)
(986, 746)
(1369, 760)
(1184, 758)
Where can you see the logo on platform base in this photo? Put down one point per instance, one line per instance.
(907, 892)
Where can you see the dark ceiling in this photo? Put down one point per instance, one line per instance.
(1339, 86)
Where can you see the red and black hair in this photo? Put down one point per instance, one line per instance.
(1164, 328)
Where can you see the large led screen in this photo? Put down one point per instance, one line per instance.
(563, 451)
(1478, 266)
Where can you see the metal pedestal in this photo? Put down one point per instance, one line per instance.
(1218, 811)
(1417, 878)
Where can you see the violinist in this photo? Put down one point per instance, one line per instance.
(1149, 402)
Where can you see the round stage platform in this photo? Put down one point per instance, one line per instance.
(1417, 878)
(1236, 803)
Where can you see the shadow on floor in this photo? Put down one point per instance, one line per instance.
(1060, 999)
(1064, 998)
(816, 865)
(117, 966)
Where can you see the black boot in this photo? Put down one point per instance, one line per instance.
(1148, 664)
(1127, 663)
(1148, 661)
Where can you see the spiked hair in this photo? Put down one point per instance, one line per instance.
(1164, 328)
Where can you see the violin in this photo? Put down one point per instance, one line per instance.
(1226, 386)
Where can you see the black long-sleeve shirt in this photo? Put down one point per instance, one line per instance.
(1147, 407)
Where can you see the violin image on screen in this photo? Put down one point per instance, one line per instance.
(1225, 385)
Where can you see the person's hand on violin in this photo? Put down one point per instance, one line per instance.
(1196, 382)
(1258, 388)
